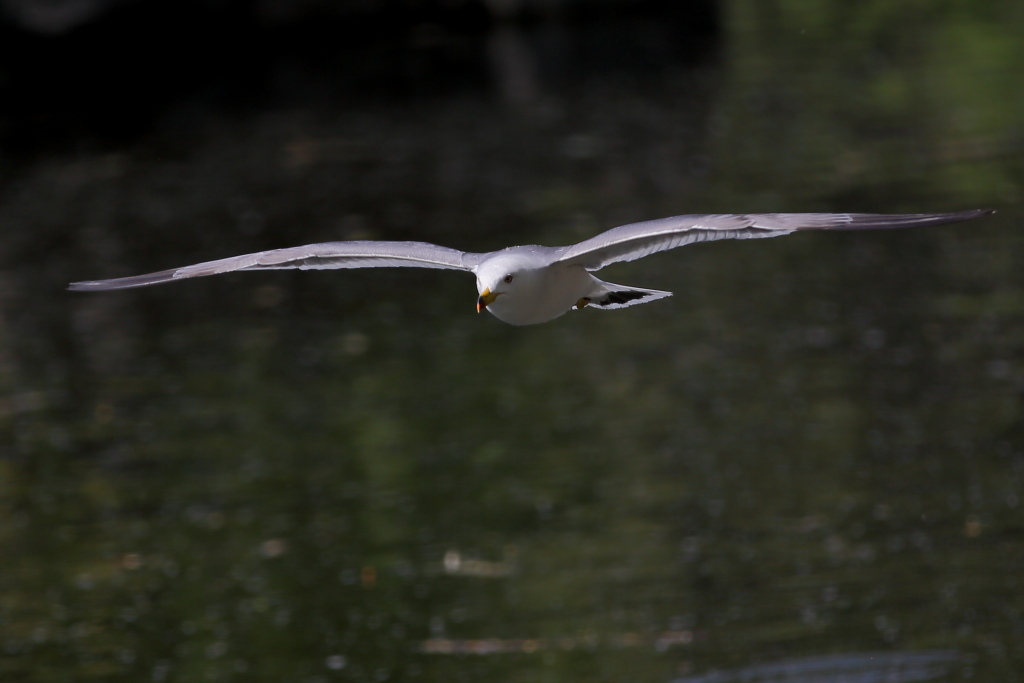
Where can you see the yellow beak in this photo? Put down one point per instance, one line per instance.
(485, 300)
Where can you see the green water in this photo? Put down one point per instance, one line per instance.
(815, 448)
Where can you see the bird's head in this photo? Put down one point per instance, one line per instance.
(505, 281)
(493, 283)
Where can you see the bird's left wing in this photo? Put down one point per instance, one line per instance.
(328, 255)
(630, 242)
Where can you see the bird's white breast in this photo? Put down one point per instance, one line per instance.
(537, 296)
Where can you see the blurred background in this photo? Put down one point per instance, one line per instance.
(806, 466)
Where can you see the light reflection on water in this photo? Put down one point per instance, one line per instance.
(813, 447)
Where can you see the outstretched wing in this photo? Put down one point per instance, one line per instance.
(630, 242)
(328, 255)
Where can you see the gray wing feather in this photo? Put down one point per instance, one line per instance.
(328, 255)
(634, 241)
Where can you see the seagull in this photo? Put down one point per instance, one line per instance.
(531, 284)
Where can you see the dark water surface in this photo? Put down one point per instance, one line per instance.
(808, 464)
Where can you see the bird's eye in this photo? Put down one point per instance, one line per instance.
(508, 278)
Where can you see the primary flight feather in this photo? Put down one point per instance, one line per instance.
(533, 284)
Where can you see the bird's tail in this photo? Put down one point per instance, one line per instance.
(612, 296)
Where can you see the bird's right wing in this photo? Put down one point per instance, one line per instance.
(630, 242)
(327, 255)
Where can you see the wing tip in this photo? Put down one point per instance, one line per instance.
(875, 221)
(129, 282)
(974, 213)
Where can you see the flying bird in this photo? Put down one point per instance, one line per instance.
(533, 284)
